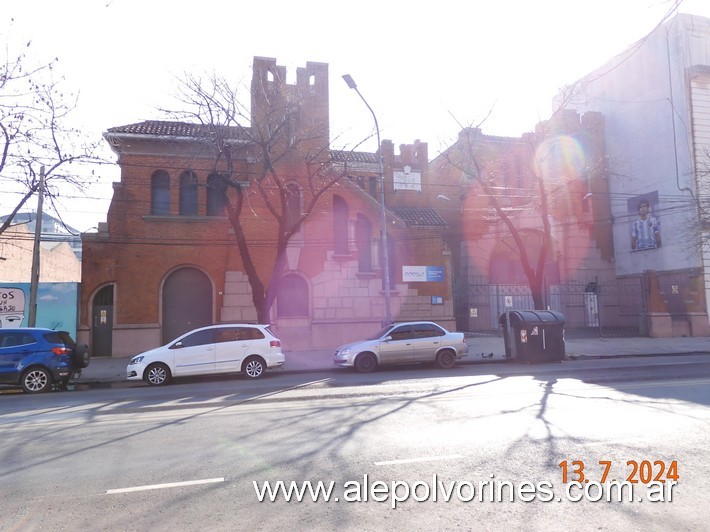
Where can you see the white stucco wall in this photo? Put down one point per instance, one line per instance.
(644, 94)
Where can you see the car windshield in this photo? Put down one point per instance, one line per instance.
(379, 334)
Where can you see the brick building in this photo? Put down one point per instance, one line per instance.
(167, 258)
(480, 172)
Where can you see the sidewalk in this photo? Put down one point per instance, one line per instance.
(484, 349)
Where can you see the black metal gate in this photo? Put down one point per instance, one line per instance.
(609, 308)
(102, 323)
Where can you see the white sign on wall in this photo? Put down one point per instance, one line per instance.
(414, 274)
(407, 180)
(422, 274)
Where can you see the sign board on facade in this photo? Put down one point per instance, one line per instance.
(473, 312)
(407, 180)
(437, 300)
(508, 301)
(422, 274)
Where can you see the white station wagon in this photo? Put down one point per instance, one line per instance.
(227, 348)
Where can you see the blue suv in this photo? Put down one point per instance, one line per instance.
(39, 359)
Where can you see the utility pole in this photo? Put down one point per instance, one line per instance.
(34, 281)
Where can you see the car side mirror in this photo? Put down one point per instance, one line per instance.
(177, 345)
(387, 339)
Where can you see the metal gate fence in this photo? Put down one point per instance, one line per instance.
(609, 308)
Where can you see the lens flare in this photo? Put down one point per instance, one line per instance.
(559, 159)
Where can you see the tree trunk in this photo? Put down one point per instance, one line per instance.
(538, 299)
(535, 282)
(258, 295)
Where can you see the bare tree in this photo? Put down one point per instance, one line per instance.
(34, 132)
(284, 144)
(467, 160)
(697, 234)
(542, 202)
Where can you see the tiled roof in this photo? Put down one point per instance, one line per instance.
(419, 216)
(345, 156)
(161, 128)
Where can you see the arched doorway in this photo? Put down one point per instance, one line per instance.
(187, 302)
(102, 322)
(292, 300)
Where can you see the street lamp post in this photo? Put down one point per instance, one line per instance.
(385, 249)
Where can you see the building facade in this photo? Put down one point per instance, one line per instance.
(171, 258)
(655, 97)
(57, 286)
(537, 202)
(598, 213)
(58, 262)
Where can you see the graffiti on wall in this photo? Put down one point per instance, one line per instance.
(12, 307)
(56, 305)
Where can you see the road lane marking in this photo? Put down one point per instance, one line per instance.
(423, 459)
(163, 486)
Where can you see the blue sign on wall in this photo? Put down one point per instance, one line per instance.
(434, 273)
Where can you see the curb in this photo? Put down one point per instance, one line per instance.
(568, 358)
(637, 355)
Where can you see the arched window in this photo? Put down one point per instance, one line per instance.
(293, 204)
(363, 241)
(340, 225)
(216, 190)
(391, 259)
(292, 300)
(188, 193)
(160, 193)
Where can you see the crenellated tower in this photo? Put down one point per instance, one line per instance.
(300, 110)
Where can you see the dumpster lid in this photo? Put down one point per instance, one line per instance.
(518, 317)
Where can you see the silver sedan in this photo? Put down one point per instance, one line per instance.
(404, 343)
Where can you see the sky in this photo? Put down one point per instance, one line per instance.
(427, 69)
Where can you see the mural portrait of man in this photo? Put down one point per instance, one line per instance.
(645, 226)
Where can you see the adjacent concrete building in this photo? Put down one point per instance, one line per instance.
(58, 262)
(655, 98)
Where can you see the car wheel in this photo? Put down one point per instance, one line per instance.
(253, 367)
(36, 380)
(157, 374)
(365, 362)
(81, 355)
(446, 359)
